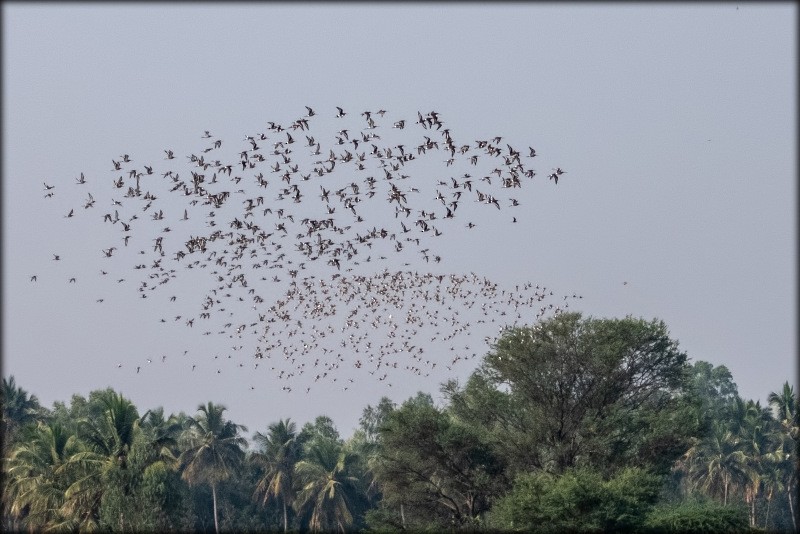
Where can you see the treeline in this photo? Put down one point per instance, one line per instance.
(574, 424)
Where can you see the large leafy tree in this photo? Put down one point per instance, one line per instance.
(374, 417)
(713, 391)
(322, 426)
(437, 470)
(367, 445)
(213, 451)
(506, 422)
(571, 392)
(280, 450)
(713, 385)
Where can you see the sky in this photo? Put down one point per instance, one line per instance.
(674, 124)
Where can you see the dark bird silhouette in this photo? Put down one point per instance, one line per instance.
(251, 233)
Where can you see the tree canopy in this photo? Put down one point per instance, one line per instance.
(571, 424)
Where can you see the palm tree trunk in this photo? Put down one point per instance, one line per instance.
(791, 509)
(285, 518)
(402, 516)
(747, 503)
(214, 495)
(725, 500)
(753, 494)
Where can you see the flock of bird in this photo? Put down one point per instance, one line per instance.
(320, 247)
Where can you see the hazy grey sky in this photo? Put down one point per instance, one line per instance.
(676, 125)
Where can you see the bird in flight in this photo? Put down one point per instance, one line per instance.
(333, 230)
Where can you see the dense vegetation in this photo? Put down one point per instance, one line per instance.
(573, 424)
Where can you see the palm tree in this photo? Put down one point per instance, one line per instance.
(785, 407)
(162, 434)
(112, 433)
(716, 464)
(281, 450)
(771, 479)
(327, 485)
(19, 409)
(38, 475)
(109, 431)
(214, 450)
(751, 424)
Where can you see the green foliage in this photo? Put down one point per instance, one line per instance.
(510, 425)
(747, 457)
(281, 449)
(704, 517)
(523, 507)
(114, 504)
(442, 471)
(569, 392)
(384, 519)
(20, 414)
(600, 424)
(328, 488)
(578, 501)
(322, 427)
(38, 475)
(19, 409)
(162, 434)
(213, 450)
(373, 418)
(629, 494)
(111, 426)
(785, 406)
(713, 387)
(237, 509)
